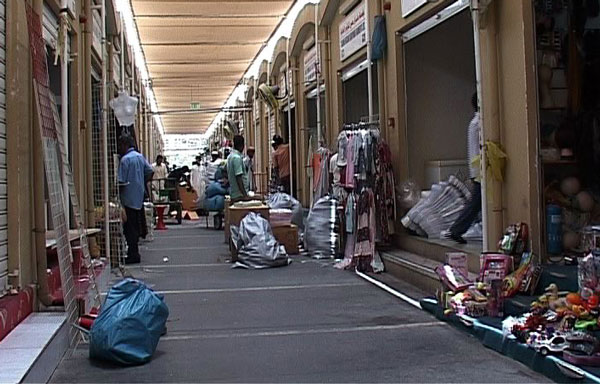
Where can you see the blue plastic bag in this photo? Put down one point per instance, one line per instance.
(215, 203)
(129, 325)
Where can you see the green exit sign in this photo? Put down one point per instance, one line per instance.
(194, 105)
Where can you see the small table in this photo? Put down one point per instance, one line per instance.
(160, 212)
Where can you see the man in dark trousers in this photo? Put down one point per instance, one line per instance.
(473, 208)
(134, 175)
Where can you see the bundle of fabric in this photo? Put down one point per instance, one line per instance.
(256, 245)
(437, 211)
(321, 233)
(279, 201)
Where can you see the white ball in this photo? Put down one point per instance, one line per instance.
(584, 201)
(570, 186)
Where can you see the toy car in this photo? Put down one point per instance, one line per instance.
(554, 344)
(586, 325)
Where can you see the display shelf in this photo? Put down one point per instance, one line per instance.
(73, 235)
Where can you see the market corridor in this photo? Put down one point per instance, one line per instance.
(307, 322)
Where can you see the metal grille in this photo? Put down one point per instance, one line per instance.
(47, 127)
(116, 238)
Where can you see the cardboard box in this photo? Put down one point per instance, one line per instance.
(288, 237)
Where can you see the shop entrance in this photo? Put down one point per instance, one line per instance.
(289, 135)
(440, 85)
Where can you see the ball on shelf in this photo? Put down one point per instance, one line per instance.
(584, 201)
(570, 186)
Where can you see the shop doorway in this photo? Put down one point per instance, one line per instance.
(440, 105)
(289, 135)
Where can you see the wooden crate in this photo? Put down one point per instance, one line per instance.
(287, 236)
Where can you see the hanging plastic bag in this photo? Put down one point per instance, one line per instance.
(379, 38)
(129, 325)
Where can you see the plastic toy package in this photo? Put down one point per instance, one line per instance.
(515, 240)
(587, 272)
(494, 266)
(453, 278)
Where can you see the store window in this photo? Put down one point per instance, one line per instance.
(568, 72)
(355, 93)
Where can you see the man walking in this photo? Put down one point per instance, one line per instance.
(281, 160)
(160, 174)
(238, 177)
(134, 174)
(471, 211)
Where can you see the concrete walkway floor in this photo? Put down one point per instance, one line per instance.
(306, 322)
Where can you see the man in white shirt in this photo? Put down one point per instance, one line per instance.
(196, 177)
(160, 173)
(249, 164)
(473, 208)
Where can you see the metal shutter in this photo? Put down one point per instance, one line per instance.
(3, 187)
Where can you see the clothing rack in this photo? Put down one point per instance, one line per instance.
(360, 125)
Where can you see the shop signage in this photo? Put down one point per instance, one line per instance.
(310, 65)
(194, 106)
(290, 82)
(409, 6)
(353, 32)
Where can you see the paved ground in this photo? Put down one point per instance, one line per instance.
(306, 322)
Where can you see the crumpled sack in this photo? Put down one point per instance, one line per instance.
(282, 200)
(321, 236)
(256, 245)
(129, 325)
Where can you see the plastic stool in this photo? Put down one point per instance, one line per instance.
(160, 212)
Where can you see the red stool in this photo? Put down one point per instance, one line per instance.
(160, 212)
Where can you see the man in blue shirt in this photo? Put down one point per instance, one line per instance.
(134, 174)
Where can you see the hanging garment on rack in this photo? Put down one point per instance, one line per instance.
(385, 193)
(322, 185)
(350, 163)
(350, 214)
(342, 149)
(315, 165)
